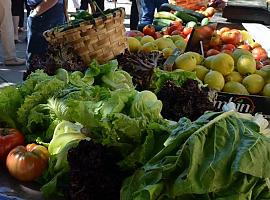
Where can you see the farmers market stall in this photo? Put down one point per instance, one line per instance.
(109, 114)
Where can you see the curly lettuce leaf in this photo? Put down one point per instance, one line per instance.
(10, 101)
(178, 77)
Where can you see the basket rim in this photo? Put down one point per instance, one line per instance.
(108, 17)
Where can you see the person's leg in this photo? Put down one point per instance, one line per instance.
(21, 21)
(7, 35)
(100, 4)
(7, 32)
(134, 16)
(84, 5)
(147, 11)
(15, 9)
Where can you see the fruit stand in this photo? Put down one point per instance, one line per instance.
(178, 110)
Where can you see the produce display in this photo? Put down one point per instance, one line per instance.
(133, 129)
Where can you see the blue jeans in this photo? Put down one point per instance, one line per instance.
(36, 43)
(148, 8)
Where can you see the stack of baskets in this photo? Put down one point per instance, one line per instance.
(102, 38)
(190, 4)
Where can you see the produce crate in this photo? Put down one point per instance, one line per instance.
(102, 38)
(245, 103)
(190, 4)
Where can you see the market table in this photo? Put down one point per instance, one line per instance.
(12, 189)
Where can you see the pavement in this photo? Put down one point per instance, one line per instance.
(13, 75)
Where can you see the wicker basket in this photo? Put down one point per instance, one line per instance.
(102, 38)
(190, 4)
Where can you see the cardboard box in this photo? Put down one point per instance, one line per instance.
(245, 103)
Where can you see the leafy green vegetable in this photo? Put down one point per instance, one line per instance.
(43, 90)
(66, 136)
(146, 104)
(219, 156)
(178, 77)
(10, 101)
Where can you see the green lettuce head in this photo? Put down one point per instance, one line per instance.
(146, 104)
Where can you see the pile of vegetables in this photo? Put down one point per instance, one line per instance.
(189, 100)
(97, 130)
(219, 156)
(57, 56)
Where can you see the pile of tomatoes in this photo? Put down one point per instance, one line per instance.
(25, 163)
(227, 39)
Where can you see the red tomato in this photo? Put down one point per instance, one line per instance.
(244, 46)
(157, 35)
(229, 47)
(176, 32)
(231, 37)
(255, 44)
(226, 51)
(222, 30)
(9, 138)
(134, 33)
(149, 30)
(215, 40)
(212, 52)
(27, 163)
(187, 30)
(259, 53)
(176, 25)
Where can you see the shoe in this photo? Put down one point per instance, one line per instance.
(15, 62)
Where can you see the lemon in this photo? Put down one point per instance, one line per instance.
(175, 38)
(186, 62)
(222, 63)
(246, 65)
(237, 53)
(266, 90)
(214, 80)
(201, 71)
(147, 38)
(234, 76)
(181, 45)
(148, 47)
(254, 83)
(199, 57)
(134, 45)
(235, 87)
(167, 52)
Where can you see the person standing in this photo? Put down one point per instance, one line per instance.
(134, 15)
(16, 7)
(7, 35)
(21, 22)
(44, 15)
(84, 4)
(148, 8)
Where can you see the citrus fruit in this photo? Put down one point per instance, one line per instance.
(186, 62)
(148, 47)
(254, 83)
(234, 76)
(134, 45)
(246, 65)
(181, 45)
(239, 52)
(214, 80)
(266, 90)
(235, 87)
(167, 52)
(201, 71)
(222, 63)
(147, 38)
